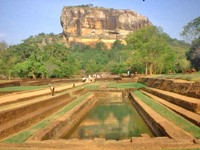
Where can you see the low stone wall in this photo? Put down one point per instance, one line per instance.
(15, 113)
(188, 88)
(15, 120)
(8, 84)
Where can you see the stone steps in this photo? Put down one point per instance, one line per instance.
(16, 110)
(189, 103)
(159, 123)
(63, 124)
(191, 116)
(25, 114)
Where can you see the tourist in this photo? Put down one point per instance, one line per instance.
(52, 88)
(84, 79)
(90, 78)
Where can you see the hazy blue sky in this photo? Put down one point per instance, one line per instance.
(20, 19)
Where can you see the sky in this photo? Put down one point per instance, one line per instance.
(20, 19)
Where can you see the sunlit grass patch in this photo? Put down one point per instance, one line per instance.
(21, 88)
(126, 85)
(189, 77)
(92, 86)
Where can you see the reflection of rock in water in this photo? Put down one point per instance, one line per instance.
(111, 121)
(109, 97)
(125, 97)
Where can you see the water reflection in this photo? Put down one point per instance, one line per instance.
(111, 121)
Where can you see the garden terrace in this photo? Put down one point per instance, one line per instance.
(58, 115)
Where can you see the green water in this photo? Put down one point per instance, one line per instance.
(115, 121)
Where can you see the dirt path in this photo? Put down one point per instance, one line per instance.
(20, 95)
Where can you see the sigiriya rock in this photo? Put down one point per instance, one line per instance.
(87, 24)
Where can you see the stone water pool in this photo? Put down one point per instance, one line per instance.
(112, 120)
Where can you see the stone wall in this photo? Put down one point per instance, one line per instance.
(8, 84)
(188, 88)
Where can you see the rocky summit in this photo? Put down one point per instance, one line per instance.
(87, 24)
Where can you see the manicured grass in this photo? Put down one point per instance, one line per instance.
(24, 135)
(189, 77)
(92, 86)
(126, 85)
(169, 114)
(21, 88)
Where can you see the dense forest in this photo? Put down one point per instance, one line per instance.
(46, 56)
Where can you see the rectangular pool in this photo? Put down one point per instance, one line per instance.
(112, 120)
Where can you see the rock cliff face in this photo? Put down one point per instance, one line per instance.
(88, 22)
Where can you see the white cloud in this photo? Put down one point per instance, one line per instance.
(1, 35)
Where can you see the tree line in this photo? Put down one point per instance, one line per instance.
(46, 56)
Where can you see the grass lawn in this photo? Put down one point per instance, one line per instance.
(92, 86)
(21, 88)
(169, 114)
(189, 77)
(126, 85)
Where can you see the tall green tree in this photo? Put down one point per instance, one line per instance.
(3, 45)
(7, 60)
(29, 68)
(191, 31)
(194, 54)
(100, 46)
(117, 45)
(149, 47)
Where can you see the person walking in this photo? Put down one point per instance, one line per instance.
(52, 88)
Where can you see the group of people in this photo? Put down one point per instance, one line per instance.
(89, 79)
(85, 80)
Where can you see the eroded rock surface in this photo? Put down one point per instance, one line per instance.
(99, 23)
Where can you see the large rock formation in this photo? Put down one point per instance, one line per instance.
(87, 24)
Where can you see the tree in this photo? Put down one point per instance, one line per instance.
(192, 30)
(194, 54)
(7, 61)
(180, 48)
(117, 68)
(149, 47)
(117, 45)
(101, 46)
(29, 68)
(3, 45)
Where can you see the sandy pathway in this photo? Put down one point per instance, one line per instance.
(20, 95)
